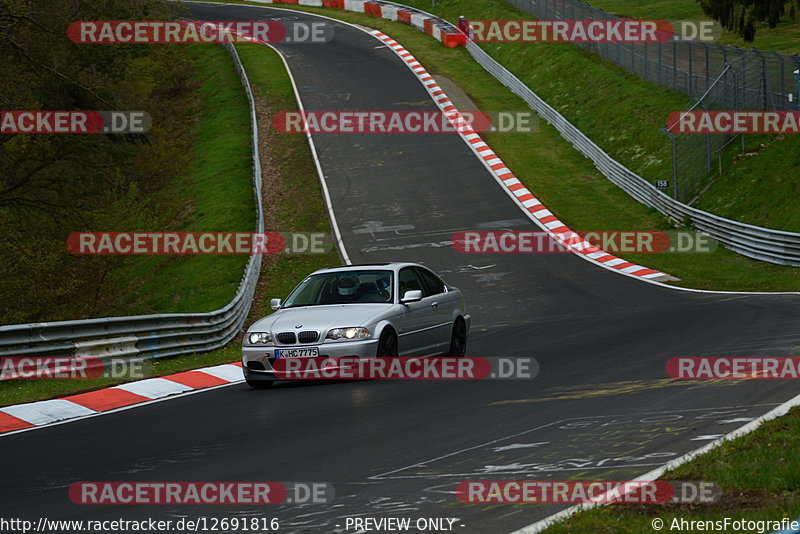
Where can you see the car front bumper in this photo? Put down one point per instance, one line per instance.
(255, 357)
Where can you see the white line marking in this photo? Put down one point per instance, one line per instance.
(45, 412)
(154, 388)
(227, 372)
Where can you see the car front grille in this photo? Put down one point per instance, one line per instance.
(308, 336)
(286, 338)
(290, 338)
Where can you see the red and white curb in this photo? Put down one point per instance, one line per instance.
(41, 413)
(521, 195)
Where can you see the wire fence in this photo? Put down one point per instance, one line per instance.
(689, 66)
(697, 157)
(717, 77)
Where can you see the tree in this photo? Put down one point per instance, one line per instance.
(743, 16)
(52, 185)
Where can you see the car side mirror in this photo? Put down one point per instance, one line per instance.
(415, 295)
(275, 303)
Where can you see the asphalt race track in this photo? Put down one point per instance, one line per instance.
(601, 407)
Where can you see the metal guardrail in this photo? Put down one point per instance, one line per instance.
(149, 336)
(774, 246)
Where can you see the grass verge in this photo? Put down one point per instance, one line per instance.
(758, 474)
(218, 197)
(288, 168)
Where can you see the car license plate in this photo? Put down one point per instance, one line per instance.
(310, 352)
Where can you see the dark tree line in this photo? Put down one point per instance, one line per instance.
(744, 16)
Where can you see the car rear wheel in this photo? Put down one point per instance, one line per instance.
(458, 339)
(387, 344)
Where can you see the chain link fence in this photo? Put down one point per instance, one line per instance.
(688, 66)
(717, 77)
(697, 157)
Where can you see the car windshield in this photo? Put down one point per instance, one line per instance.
(343, 287)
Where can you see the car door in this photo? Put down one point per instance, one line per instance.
(417, 326)
(444, 305)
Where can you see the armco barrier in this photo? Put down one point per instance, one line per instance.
(149, 336)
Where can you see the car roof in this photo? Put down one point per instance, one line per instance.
(388, 266)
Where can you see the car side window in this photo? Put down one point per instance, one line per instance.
(434, 283)
(410, 281)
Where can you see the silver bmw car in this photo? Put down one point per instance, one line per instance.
(380, 309)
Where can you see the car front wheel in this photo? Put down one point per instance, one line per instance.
(387, 344)
(458, 339)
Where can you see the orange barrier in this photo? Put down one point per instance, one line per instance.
(452, 40)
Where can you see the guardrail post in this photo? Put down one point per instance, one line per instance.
(674, 65)
(796, 74)
(672, 141)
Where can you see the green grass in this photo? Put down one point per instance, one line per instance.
(758, 474)
(566, 182)
(292, 169)
(218, 197)
(288, 168)
(733, 195)
(784, 38)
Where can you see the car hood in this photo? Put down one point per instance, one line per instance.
(320, 318)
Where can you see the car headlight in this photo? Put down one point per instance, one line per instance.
(351, 332)
(259, 337)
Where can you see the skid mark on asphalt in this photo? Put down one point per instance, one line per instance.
(400, 236)
(610, 447)
(617, 388)
(423, 502)
(588, 448)
(583, 446)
